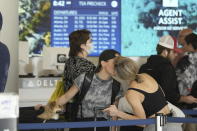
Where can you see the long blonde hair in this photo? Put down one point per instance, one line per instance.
(126, 68)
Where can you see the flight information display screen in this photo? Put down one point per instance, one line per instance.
(101, 17)
(132, 27)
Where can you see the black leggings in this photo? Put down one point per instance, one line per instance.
(131, 128)
(90, 129)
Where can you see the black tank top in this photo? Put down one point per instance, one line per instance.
(153, 102)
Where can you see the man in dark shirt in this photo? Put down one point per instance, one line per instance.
(161, 69)
(4, 61)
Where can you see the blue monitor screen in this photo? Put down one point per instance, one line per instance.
(133, 27)
(101, 17)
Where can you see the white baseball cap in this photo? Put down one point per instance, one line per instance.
(169, 42)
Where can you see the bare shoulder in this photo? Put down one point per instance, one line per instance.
(147, 77)
(147, 83)
(148, 80)
(133, 94)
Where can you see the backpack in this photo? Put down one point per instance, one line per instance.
(72, 108)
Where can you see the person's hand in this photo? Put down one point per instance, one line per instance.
(37, 107)
(112, 110)
(189, 99)
(59, 101)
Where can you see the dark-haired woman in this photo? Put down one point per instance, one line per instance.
(80, 43)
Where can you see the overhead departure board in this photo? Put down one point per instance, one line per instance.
(133, 27)
(101, 17)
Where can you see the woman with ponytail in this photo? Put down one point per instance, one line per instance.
(144, 96)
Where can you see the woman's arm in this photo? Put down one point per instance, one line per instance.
(68, 95)
(134, 100)
(114, 112)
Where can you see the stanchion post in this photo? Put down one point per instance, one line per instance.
(160, 122)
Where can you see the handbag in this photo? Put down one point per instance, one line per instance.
(59, 90)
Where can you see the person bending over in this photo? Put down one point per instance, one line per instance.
(144, 95)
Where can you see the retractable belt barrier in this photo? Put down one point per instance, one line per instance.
(86, 124)
(190, 112)
(160, 120)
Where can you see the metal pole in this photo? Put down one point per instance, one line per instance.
(96, 111)
(95, 114)
(160, 122)
(110, 128)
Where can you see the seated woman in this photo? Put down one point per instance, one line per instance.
(144, 95)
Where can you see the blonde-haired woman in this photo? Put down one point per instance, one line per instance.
(144, 95)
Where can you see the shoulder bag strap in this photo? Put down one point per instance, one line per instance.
(115, 90)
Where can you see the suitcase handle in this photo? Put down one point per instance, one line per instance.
(96, 110)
